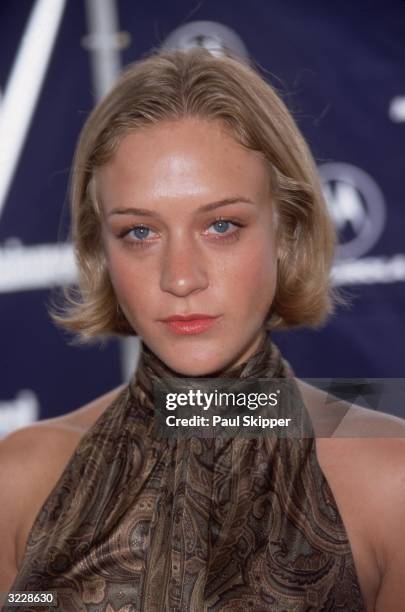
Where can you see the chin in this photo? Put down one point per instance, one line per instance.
(189, 362)
(193, 367)
(192, 372)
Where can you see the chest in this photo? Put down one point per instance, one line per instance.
(202, 525)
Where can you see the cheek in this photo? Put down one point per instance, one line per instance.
(259, 280)
(132, 281)
(250, 277)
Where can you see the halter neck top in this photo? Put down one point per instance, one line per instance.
(141, 523)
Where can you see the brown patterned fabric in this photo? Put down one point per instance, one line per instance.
(141, 523)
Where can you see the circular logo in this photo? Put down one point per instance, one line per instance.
(357, 207)
(215, 37)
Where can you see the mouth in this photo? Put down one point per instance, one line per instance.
(190, 324)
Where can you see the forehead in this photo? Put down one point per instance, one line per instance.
(193, 158)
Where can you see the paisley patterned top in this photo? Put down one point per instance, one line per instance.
(141, 523)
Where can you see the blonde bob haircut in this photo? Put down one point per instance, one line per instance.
(170, 85)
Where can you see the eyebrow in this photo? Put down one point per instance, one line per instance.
(204, 208)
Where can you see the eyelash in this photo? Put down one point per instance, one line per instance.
(226, 237)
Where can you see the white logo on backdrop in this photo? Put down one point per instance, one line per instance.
(357, 206)
(211, 35)
(396, 109)
(18, 412)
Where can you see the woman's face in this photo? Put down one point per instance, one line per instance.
(189, 228)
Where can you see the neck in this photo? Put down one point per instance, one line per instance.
(266, 361)
(232, 370)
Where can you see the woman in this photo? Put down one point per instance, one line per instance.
(199, 225)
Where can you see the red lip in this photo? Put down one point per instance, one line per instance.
(189, 317)
(190, 324)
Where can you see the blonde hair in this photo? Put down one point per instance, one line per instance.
(171, 85)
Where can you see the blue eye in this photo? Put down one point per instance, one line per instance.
(140, 231)
(143, 236)
(221, 225)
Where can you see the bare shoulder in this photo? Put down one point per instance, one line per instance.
(342, 419)
(32, 460)
(364, 441)
(364, 462)
(81, 419)
(28, 449)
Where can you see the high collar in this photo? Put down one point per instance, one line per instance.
(265, 362)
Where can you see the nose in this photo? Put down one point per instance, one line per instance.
(183, 269)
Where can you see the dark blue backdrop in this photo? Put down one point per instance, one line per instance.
(340, 68)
